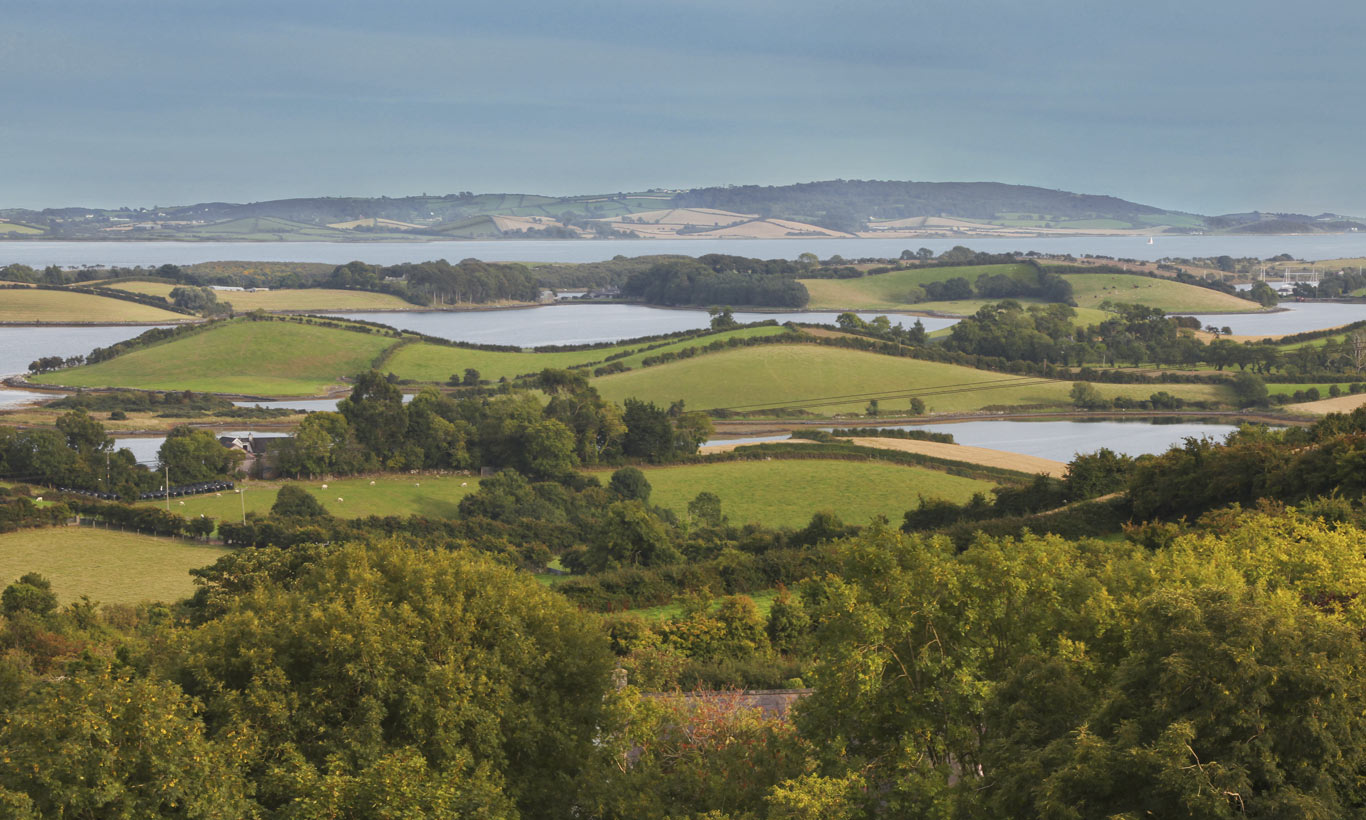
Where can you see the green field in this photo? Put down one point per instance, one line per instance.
(297, 299)
(437, 363)
(1084, 317)
(787, 492)
(431, 496)
(111, 567)
(888, 290)
(1090, 289)
(830, 380)
(33, 305)
(18, 229)
(243, 357)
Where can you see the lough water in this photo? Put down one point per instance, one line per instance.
(1293, 317)
(587, 324)
(1063, 440)
(21, 345)
(1059, 440)
(130, 253)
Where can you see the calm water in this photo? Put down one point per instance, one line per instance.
(1063, 440)
(39, 254)
(145, 448)
(21, 345)
(1058, 440)
(585, 324)
(1295, 317)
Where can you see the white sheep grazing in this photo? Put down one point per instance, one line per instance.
(339, 498)
(324, 486)
(372, 483)
(464, 484)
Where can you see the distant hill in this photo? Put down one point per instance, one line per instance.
(862, 208)
(848, 205)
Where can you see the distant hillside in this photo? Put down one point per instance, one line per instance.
(847, 205)
(863, 208)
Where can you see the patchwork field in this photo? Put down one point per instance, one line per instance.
(888, 290)
(437, 363)
(786, 493)
(30, 305)
(111, 567)
(243, 357)
(432, 496)
(827, 380)
(298, 299)
(1090, 289)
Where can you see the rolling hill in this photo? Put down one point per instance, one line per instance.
(832, 207)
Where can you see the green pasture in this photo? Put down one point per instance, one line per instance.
(403, 495)
(436, 363)
(111, 567)
(888, 290)
(243, 357)
(1091, 289)
(830, 380)
(787, 492)
(19, 229)
(25, 305)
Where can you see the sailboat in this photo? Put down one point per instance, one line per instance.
(1150, 240)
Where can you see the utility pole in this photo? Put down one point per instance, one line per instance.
(242, 494)
(168, 486)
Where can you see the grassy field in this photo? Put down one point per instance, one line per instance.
(18, 229)
(829, 380)
(888, 290)
(1090, 289)
(1084, 317)
(432, 496)
(437, 363)
(299, 299)
(111, 567)
(32, 305)
(246, 357)
(787, 493)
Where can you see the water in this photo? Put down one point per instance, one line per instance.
(586, 324)
(145, 448)
(1295, 317)
(1063, 440)
(131, 253)
(21, 345)
(307, 405)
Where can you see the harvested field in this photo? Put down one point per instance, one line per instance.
(111, 567)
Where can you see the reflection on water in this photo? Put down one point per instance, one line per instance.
(587, 324)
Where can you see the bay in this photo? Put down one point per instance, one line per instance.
(571, 324)
(130, 253)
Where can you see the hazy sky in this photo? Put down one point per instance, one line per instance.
(1203, 105)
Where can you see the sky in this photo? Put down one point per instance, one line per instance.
(1209, 106)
